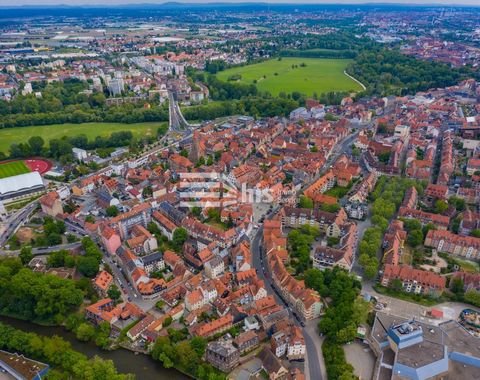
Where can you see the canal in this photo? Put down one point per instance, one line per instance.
(142, 366)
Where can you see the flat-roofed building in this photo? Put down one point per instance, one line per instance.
(20, 186)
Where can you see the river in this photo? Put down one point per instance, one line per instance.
(142, 366)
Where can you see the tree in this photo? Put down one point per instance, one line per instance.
(458, 203)
(475, 233)
(305, 202)
(168, 321)
(102, 335)
(88, 266)
(472, 296)
(180, 235)
(36, 145)
(456, 285)
(111, 211)
(85, 332)
(415, 238)
(440, 206)
(114, 293)
(54, 239)
(396, 285)
(57, 259)
(26, 255)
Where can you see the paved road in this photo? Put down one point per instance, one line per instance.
(15, 221)
(312, 340)
(44, 250)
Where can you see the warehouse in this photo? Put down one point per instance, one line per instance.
(20, 187)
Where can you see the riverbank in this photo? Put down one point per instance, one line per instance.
(144, 367)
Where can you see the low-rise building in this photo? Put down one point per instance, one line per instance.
(246, 341)
(18, 367)
(102, 282)
(51, 204)
(414, 280)
(222, 355)
(448, 242)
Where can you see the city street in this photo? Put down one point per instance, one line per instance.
(15, 221)
(312, 339)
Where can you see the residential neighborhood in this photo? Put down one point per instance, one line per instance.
(180, 222)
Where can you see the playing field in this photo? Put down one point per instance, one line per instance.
(9, 169)
(318, 75)
(8, 136)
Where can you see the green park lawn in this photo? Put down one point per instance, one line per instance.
(319, 75)
(8, 136)
(9, 169)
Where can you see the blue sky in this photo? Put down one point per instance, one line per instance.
(113, 2)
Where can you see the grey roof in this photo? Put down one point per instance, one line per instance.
(224, 349)
(20, 182)
(154, 257)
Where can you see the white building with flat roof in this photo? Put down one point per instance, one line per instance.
(20, 186)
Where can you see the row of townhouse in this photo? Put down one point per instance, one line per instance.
(343, 255)
(288, 342)
(328, 223)
(365, 187)
(440, 221)
(414, 280)
(448, 242)
(305, 301)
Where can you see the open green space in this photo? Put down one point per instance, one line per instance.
(338, 191)
(9, 169)
(8, 136)
(305, 75)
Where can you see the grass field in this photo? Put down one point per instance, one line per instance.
(8, 136)
(319, 75)
(9, 169)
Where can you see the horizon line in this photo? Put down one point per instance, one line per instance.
(241, 2)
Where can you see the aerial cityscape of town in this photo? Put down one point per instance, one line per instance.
(240, 191)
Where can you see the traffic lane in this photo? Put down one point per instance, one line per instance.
(128, 292)
(263, 273)
(313, 360)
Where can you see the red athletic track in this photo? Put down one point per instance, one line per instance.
(38, 165)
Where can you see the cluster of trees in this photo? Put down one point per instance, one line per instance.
(86, 332)
(66, 362)
(387, 198)
(345, 313)
(62, 148)
(368, 248)
(300, 243)
(471, 296)
(306, 202)
(180, 236)
(35, 296)
(254, 106)
(52, 235)
(186, 355)
(89, 263)
(62, 103)
(318, 53)
(55, 96)
(416, 233)
(389, 72)
(215, 66)
(220, 90)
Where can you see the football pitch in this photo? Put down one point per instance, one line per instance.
(9, 169)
